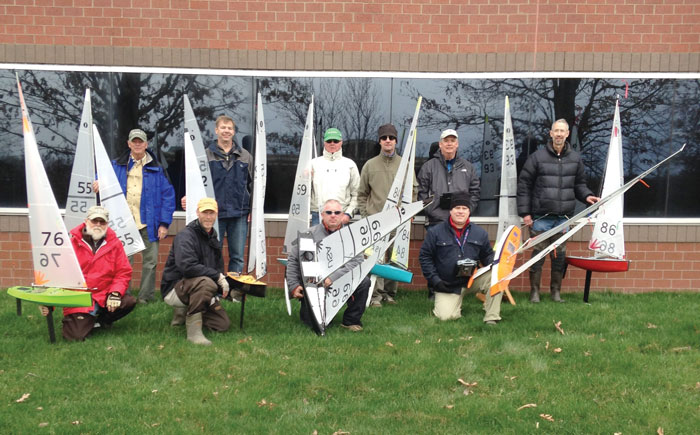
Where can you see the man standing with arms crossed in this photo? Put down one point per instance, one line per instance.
(551, 181)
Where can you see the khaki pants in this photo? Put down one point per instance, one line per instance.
(448, 306)
(198, 293)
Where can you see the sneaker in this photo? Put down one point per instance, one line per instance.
(353, 328)
(389, 300)
(375, 304)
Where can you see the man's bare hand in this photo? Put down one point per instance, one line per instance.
(44, 310)
(162, 233)
(183, 203)
(96, 186)
(527, 220)
(592, 199)
(298, 292)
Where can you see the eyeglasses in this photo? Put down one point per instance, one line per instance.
(98, 221)
(330, 212)
(387, 138)
(332, 141)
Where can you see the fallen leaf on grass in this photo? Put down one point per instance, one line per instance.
(660, 431)
(651, 326)
(467, 391)
(43, 424)
(243, 340)
(557, 350)
(76, 422)
(449, 406)
(527, 405)
(24, 397)
(510, 378)
(586, 353)
(697, 385)
(547, 417)
(161, 346)
(388, 343)
(267, 404)
(546, 346)
(681, 349)
(154, 391)
(558, 326)
(305, 400)
(39, 408)
(315, 432)
(282, 373)
(215, 393)
(537, 425)
(341, 432)
(467, 384)
(417, 341)
(110, 347)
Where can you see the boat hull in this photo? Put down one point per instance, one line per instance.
(599, 264)
(247, 284)
(51, 296)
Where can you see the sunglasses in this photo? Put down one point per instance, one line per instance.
(387, 138)
(332, 141)
(98, 221)
(330, 212)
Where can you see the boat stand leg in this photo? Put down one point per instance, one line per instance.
(19, 307)
(587, 287)
(242, 309)
(49, 323)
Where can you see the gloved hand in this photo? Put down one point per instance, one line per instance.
(114, 301)
(441, 287)
(223, 283)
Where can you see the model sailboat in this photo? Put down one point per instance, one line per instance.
(80, 194)
(608, 240)
(56, 267)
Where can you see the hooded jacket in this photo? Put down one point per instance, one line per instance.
(334, 177)
(106, 271)
(232, 174)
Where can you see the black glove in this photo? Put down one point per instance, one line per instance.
(441, 287)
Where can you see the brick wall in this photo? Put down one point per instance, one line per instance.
(655, 265)
(432, 26)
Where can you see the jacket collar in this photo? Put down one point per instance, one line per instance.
(333, 156)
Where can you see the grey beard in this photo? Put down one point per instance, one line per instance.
(96, 233)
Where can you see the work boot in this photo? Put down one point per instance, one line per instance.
(194, 330)
(178, 316)
(555, 286)
(535, 276)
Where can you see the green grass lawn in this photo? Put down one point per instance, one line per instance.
(626, 363)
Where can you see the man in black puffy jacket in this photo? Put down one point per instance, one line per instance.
(551, 181)
(448, 244)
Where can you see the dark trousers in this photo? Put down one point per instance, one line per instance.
(355, 307)
(197, 294)
(77, 326)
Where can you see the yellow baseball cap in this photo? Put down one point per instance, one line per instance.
(207, 204)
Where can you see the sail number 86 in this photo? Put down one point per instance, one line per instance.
(609, 229)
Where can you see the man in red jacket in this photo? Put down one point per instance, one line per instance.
(107, 273)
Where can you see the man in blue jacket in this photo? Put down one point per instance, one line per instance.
(151, 199)
(450, 252)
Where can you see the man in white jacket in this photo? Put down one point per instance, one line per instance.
(334, 177)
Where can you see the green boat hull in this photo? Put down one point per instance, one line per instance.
(52, 296)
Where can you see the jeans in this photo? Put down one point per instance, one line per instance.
(236, 230)
(314, 218)
(558, 256)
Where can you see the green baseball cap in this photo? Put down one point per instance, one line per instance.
(332, 134)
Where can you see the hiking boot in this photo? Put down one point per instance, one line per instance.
(353, 328)
(377, 304)
(194, 330)
(390, 300)
(535, 277)
(178, 316)
(491, 322)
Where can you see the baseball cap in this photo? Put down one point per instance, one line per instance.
(332, 134)
(97, 211)
(207, 204)
(448, 132)
(138, 133)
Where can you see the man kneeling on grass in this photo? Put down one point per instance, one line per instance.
(331, 221)
(450, 252)
(107, 274)
(193, 276)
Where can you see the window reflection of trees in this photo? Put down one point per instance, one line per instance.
(657, 116)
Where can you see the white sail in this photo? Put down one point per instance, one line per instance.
(608, 237)
(55, 262)
(112, 198)
(507, 203)
(194, 181)
(202, 162)
(399, 254)
(300, 207)
(80, 194)
(257, 252)
(489, 171)
(340, 247)
(394, 197)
